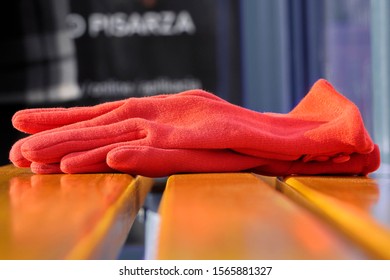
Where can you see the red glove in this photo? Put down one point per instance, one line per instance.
(137, 161)
(51, 120)
(325, 126)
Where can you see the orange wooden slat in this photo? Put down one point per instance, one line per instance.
(60, 216)
(239, 216)
(348, 203)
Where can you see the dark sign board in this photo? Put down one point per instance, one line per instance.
(148, 47)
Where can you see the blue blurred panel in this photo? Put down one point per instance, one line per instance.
(265, 65)
(380, 11)
(348, 52)
(282, 52)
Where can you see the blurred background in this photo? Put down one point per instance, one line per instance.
(260, 54)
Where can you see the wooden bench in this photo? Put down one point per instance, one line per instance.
(359, 207)
(246, 216)
(201, 216)
(67, 216)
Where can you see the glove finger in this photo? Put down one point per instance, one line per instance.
(92, 161)
(18, 159)
(357, 164)
(156, 162)
(16, 156)
(82, 162)
(337, 158)
(52, 146)
(41, 119)
(36, 120)
(45, 168)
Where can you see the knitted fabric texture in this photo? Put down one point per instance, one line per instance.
(195, 131)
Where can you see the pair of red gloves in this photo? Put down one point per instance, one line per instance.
(195, 131)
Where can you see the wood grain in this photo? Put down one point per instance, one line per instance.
(60, 216)
(239, 216)
(348, 204)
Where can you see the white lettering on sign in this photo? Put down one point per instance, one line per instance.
(164, 23)
(122, 89)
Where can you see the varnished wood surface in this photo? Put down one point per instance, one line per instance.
(240, 216)
(86, 216)
(357, 206)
